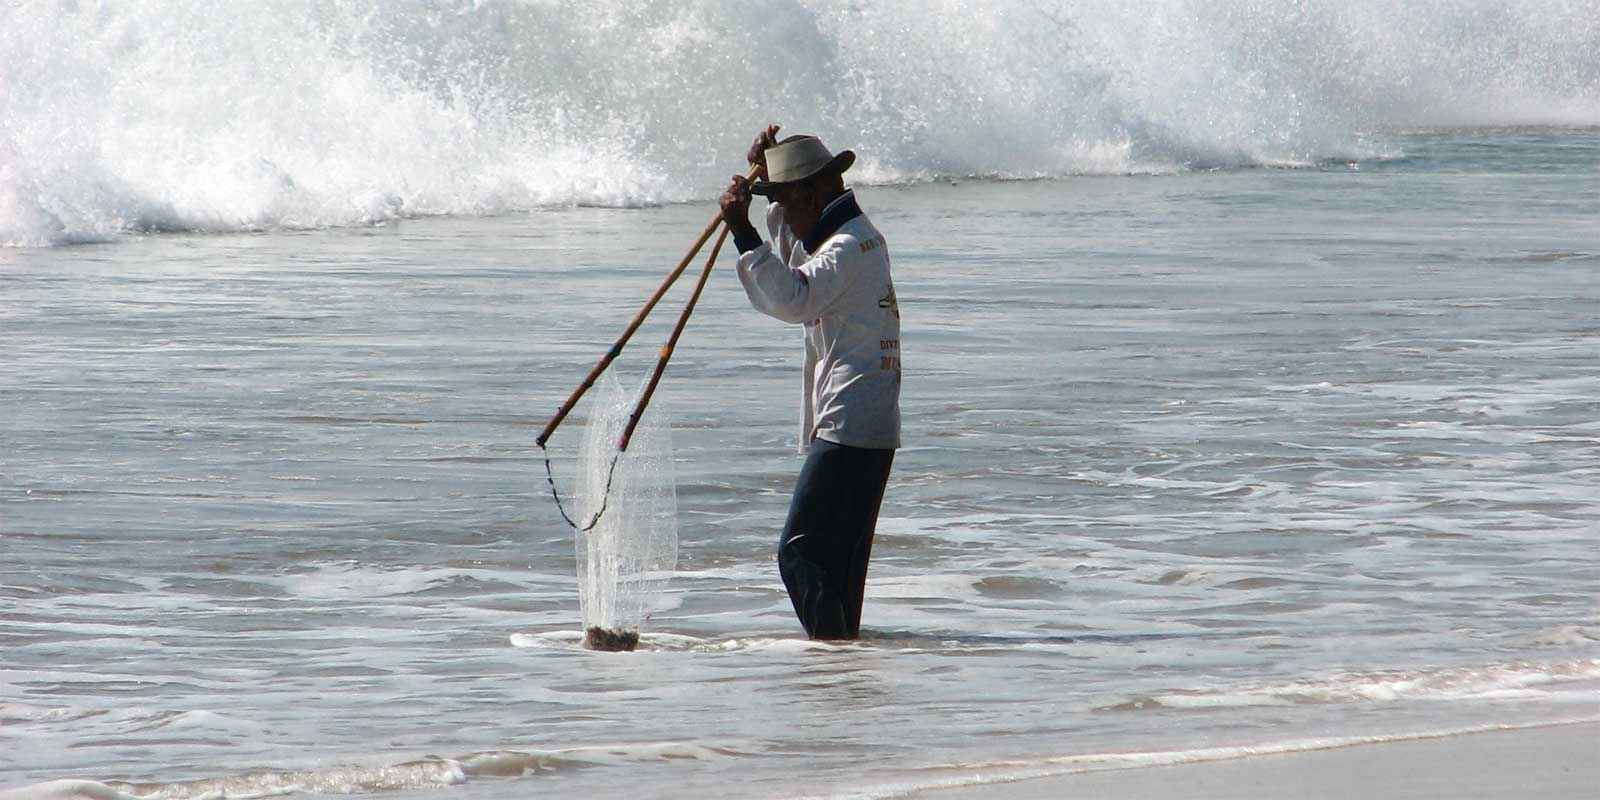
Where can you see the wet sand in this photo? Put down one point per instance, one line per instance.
(1552, 763)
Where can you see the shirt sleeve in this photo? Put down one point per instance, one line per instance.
(782, 237)
(796, 294)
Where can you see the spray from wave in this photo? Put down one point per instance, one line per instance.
(155, 115)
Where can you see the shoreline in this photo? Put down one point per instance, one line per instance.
(1551, 762)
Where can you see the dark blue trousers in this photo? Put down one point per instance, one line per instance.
(827, 540)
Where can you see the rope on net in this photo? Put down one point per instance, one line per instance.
(605, 497)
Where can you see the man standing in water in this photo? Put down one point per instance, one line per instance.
(827, 268)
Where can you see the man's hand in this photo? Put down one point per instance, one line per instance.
(758, 149)
(735, 202)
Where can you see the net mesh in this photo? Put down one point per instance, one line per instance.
(625, 559)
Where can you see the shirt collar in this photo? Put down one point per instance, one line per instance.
(834, 216)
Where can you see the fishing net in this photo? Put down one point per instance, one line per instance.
(627, 539)
(627, 522)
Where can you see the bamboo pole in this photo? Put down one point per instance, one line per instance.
(638, 319)
(672, 342)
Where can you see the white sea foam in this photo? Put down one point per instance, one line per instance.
(425, 773)
(430, 772)
(1454, 683)
(156, 115)
(652, 642)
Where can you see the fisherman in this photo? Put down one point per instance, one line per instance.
(826, 268)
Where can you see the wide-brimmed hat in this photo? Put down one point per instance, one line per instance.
(797, 158)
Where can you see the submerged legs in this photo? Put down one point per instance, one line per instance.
(827, 541)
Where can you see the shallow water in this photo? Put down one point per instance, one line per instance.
(1214, 459)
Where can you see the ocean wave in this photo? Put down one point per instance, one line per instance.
(178, 115)
(431, 772)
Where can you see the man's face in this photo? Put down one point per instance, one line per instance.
(800, 208)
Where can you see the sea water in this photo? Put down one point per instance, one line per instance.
(1250, 399)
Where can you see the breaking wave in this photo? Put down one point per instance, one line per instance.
(165, 115)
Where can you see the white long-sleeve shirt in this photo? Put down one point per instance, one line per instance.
(844, 295)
